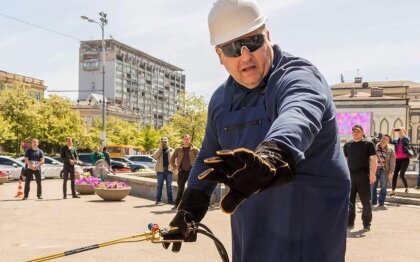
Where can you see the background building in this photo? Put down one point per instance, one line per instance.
(391, 104)
(37, 87)
(141, 85)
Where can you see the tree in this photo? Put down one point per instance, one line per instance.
(149, 138)
(5, 130)
(190, 118)
(122, 132)
(17, 108)
(174, 135)
(59, 121)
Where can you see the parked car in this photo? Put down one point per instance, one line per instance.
(17, 167)
(85, 161)
(119, 166)
(78, 170)
(143, 160)
(4, 174)
(53, 168)
(133, 165)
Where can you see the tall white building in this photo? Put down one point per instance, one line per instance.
(138, 83)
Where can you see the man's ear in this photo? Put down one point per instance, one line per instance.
(219, 54)
(267, 32)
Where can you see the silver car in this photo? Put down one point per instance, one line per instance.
(53, 168)
(143, 160)
(16, 167)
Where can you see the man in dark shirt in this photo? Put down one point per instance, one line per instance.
(163, 170)
(70, 158)
(107, 157)
(362, 161)
(34, 159)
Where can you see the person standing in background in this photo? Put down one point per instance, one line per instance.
(402, 158)
(362, 161)
(163, 170)
(107, 157)
(386, 165)
(70, 158)
(96, 155)
(182, 162)
(34, 159)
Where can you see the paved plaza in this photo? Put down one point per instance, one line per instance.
(35, 228)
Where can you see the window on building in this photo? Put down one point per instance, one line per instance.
(384, 126)
(91, 64)
(398, 123)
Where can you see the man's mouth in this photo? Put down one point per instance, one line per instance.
(248, 68)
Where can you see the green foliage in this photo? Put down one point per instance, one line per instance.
(49, 120)
(149, 138)
(16, 107)
(190, 119)
(59, 121)
(52, 120)
(174, 135)
(5, 130)
(122, 132)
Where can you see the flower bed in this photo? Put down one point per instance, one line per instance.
(85, 185)
(112, 190)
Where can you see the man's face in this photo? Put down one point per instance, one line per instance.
(164, 144)
(357, 134)
(249, 68)
(35, 143)
(186, 141)
(69, 142)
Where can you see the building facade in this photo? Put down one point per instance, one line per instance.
(36, 86)
(392, 104)
(143, 86)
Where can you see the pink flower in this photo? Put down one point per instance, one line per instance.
(87, 180)
(112, 185)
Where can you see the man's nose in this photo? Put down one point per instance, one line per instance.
(244, 49)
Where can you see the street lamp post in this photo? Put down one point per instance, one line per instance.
(102, 24)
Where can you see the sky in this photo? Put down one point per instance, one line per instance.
(377, 39)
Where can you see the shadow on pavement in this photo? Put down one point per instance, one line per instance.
(151, 205)
(379, 208)
(164, 212)
(48, 199)
(356, 234)
(102, 201)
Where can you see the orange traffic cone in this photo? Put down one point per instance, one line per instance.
(20, 191)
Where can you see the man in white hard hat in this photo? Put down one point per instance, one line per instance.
(272, 138)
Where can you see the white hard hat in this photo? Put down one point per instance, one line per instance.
(229, 19)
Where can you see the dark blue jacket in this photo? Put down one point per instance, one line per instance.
(405, 144)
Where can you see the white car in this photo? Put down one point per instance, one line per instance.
(15, 166)
(53, 168)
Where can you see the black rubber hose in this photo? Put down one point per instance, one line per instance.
(220, 248)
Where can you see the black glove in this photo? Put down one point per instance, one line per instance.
(246, 172)
(193, 207)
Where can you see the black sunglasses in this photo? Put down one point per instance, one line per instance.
(234, 49)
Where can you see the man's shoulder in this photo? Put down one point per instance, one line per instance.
(218, 96)
(368, 142)
(348, 143)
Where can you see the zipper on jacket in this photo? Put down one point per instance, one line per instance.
(242, 125)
